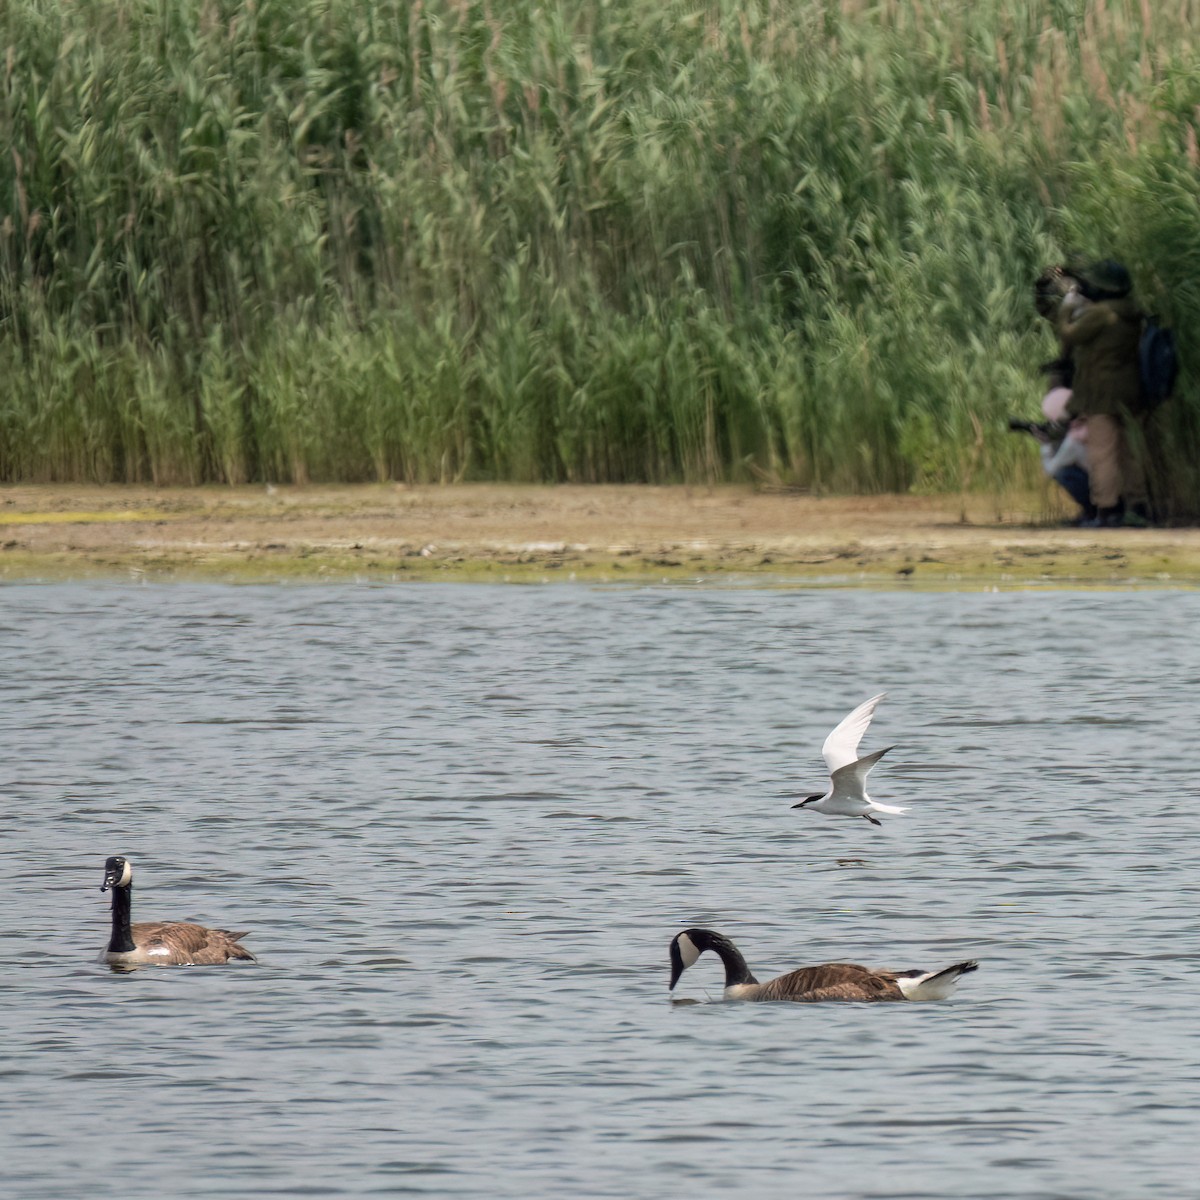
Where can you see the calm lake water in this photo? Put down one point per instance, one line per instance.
(462, 824)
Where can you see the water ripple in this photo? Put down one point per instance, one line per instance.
(462, 823)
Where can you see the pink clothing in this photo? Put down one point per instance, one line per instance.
(1054, 407)
(1054, 403)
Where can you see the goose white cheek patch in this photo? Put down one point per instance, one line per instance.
(687, 950)
(126, 875)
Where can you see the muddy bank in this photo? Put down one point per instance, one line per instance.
(602, 533)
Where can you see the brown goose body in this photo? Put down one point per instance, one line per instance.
(829, 981)
(178, 943)
(160, 943)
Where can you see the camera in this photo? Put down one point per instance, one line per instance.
(1044, 431)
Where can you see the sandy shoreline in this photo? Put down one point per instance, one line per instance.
(603, 533)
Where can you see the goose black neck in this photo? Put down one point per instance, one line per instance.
(121, 941)
(736, 970)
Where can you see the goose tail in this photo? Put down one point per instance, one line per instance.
(234, 946)
(934, 985)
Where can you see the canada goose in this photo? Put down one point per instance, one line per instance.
(159, 943)
(829, 981)
(847, 794)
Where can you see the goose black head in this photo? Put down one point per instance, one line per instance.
(117, 873)
(807, 800)
(686, 947)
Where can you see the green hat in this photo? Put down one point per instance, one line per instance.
(1106, 279)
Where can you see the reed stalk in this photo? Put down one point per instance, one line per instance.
(316, 240)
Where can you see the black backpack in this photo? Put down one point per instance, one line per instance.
(1158, 362)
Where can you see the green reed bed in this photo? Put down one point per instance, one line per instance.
(319, 240)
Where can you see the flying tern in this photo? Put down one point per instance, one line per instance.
(847, 794)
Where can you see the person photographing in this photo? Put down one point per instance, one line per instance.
(1100, 327)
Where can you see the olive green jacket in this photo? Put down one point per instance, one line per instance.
(1103, 340)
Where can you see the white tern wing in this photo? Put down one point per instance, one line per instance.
(841, 746)
(850, 781)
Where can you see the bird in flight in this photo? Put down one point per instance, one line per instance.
(847, 794)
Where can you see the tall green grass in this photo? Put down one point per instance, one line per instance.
(315, 240)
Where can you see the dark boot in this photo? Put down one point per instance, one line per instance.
(1137, 516)
(1106, 518)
